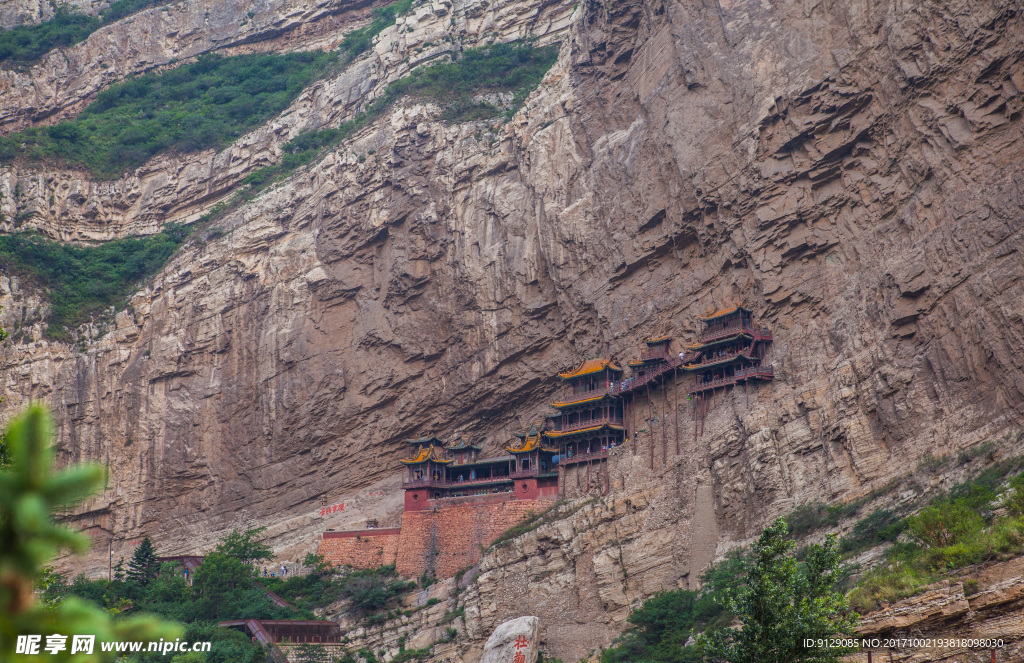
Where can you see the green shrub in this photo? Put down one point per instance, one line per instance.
(359, 41)
(370, 590)
(987, 447)
(1015, 498)
(208, 103)
(506, 67)
(27, 43)
(662, 626)
(81, 280)
(930, 463)
(944, 523)
(660, 629)
(887, 584)
(878, 527)
(412, 655)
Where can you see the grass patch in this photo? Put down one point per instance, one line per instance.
(203, 104)
(82, 280)
(880, 526)
(25, 44)
(516, 67)
(208, 103)
(952, 532)
(359, 41)
(533, 521)
(412, 655)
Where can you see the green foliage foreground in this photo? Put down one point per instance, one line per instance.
(81, 280)
(30, 493)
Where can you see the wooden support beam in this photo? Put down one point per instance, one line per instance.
(664, 424)
(650, 422)
(675, 395)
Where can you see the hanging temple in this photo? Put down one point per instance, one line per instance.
(456, 503)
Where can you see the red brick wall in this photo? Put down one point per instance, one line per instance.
(449, 539)
(416, 500)
(364, 549)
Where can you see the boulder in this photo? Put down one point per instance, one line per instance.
(518, 636)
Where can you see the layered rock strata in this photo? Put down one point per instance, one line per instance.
(851, 172)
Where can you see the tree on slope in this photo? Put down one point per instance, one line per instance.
(247, 547)
(782, 606)
(143, 565)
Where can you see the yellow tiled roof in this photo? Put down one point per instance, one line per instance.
(424, 454)
(724, 311)
(529, 444)
(583, 400)
(589, 366)
(559, 433)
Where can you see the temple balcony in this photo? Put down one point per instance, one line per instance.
(656, 354)
(582, 457)
(710, 361)
(653, 375)
(589, 423)
(570, 398)
(715, 334)
(752, 373)
(452, 483)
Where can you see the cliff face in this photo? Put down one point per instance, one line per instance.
(852, 172)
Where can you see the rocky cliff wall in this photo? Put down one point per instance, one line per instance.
(68, 204)
(27, 12)
(851, 171)
(950, 615)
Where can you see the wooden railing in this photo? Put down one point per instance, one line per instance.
(632, 384)
(714, 360)
(581, 457)
(651, 354)
(581, 425)
(756, 371)
(715, 334)
(583, 395)
(767, 372)
(450, 483)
